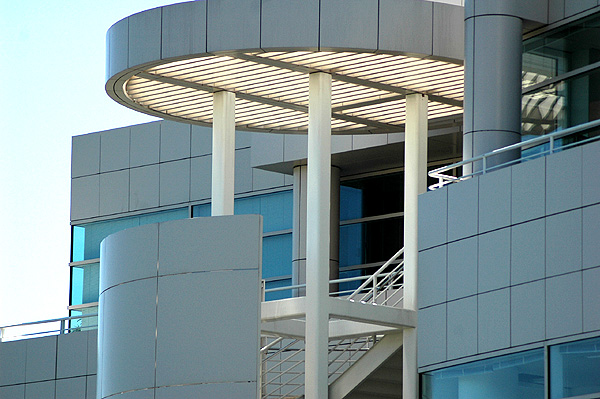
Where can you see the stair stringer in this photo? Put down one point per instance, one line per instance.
(365, 366)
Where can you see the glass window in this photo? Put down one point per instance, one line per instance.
(84, 323)
(85, 281)
(277, 256)
(86, 238)
(370, 242)
(371, 196)
(575, 368)
(271, 296)
(517, 376)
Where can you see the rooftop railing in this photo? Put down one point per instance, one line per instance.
(34, 329)
(539, 146)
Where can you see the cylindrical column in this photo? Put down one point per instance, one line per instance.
(317, 242)
(223, 153)
(299, 230)
(334, 229)
(492, 105)
(415, 183)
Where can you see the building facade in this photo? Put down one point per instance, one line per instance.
(177, 291)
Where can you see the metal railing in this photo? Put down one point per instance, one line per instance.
(383, 287)
(63, 326)
(484, 159)
(282, 364)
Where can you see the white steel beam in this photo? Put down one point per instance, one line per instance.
(415, 183)
(317, 241)
(223, 153)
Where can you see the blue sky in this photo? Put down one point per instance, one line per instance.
(52, 58)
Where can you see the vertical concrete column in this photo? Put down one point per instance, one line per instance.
(415, 183)
(317, 242)
(492, 105)
(299, 229)
(223, 153)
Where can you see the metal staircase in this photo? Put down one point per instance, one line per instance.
(363, 362)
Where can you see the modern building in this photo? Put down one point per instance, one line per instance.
(277, 234)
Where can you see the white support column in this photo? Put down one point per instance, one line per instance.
(317, 241)
(415, 183)
(223, 153)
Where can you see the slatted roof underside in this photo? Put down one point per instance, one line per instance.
(272, 89)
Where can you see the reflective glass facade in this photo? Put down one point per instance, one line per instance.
(575, 369)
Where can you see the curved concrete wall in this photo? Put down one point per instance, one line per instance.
(179, 303)
(189, 29)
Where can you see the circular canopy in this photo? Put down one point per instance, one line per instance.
(271, 89)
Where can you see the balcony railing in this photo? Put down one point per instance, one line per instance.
(63, 325)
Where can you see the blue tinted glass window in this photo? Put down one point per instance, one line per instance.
(520, 375)
(277, 256)
(85, 283)
(276, 209)
(87, 237)
(201, 210)
(350, 203)
(575, 368)
(370, 242)
(271, 296)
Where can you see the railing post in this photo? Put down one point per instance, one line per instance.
(551, 144)
(484, 165)
(1, 334)
(62, 326)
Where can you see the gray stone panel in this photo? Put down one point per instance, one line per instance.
(85, 158)
(145, 36)
(432, 276)
(13, 357)
(85, 197)
(494, 200)
(462, 328)
(41, 359)
(263, 179)
(128, 354)
(92, 353)
(462, 268)
(13, 392)
(144, 187)
(433, 218)
(71, 388)
(129, 255)
(494, 260)
(72, 360)
(90, 388)
(563, 242)
(564, 308)
(295, 147)
(556, 10)
(591, 173)
(227, 390)
(360, 141)
(527, 313)
(493, 320)
(267, 149)
(184, 29)
(462, 209)
(145, 144)
(591, 300)
(535, 10)
(406, 26)
(243, 139)
(175, 141)
(243, 171)
(591, 236)
(40, 390)
(117, 47)
(290, 23)
(201, 140)
(563, 181)
(114, 149)
(336, 31)
(431, 344)
(528, 254)
(175, 182)
(342, 143)
(200, 185)
(573, 7)
(448, 31)
(233, 25)
(114, 192)
(180, 252)
(230, 334)
(529, 190)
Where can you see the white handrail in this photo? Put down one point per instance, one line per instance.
(374, 276)
(548, 138)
